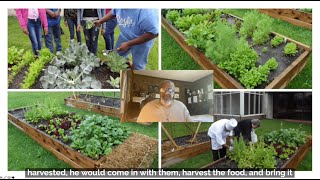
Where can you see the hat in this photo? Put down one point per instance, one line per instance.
(231, 124)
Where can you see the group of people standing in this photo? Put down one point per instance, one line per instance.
(138, 29)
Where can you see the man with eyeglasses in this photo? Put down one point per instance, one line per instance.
(165, 109)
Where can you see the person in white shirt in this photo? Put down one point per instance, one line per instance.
(165, 109)
(218, 133)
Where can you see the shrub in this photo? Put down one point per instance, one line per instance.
(290, 49)
(276, 41)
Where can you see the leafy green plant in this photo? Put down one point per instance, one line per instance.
(276, 41)
(187, 12)
(114, 82)
(26, 59)
(116, 62)
(225, 43)
(290, 49)
(173, 15)
(257, 156)
(198, 35)
(289, 137)
(14, 55)
(242, 59)
(265, 50)
(249, 24)
(272, 63)
(89, 24)
(97, 135)
(185, 22)
(36, 67)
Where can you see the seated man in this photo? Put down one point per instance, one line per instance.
(165, 109)
(246, 129)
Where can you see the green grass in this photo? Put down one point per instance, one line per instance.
(24, 152)
(172, 51)
(266, 126)
(17, 38)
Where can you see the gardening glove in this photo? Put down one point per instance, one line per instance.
(231, 148)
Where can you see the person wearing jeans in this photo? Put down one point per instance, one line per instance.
(30, 21)
(138, 30)
(70, 20)
(91, 35)
(54, 29)
(108, 35)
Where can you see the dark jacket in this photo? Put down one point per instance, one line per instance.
(244, 128)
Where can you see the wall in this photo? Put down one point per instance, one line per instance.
(268, 105)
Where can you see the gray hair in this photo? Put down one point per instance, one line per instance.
(256, 122)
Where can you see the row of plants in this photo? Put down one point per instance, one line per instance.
(92, 135)
(278, 144)
(227, 44)
(69, 69)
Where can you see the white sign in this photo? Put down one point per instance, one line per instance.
(195, 99)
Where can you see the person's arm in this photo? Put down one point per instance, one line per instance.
(139, 40)
(44, 21)
(57, 13)
(105, 18)
(22, 23)
(51, 13)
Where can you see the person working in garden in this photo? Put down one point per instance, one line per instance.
(31, 21)
(246, 128)
(70, 20)
(138, 30)
(165, 109)
(218, 133)
(108, 33)
(86, 17)
(54, 30)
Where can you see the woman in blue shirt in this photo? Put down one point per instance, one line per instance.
(138, 30)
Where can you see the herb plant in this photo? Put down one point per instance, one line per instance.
(276, 41)
(114, 82)
(116, 62)
(14, 55)
(173, 15)
(265, 50)
(26, 59)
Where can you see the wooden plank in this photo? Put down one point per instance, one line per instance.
(169, 136)
(62, 151)
(224, 79)
(195, 134)
(170, 158)
(208, 166)
(292, 16)
(221, 77)
(298, 156)
(101, 109)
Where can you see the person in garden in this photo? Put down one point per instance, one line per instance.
(54, 30)
(138, 30)
(70, 20)
(31, 22)
(108, 33)
(85, 18)
(218, 132)
(246, 129)
(165, 109)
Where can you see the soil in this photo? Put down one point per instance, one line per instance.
(167, 146)
(18, 79)
(138, 151)
(101, 73)
(101, 100)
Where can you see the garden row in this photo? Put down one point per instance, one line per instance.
(284, 148)
(92, 141)
(247, 49)
(74, 68)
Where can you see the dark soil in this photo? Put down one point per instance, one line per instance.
(185, 140)
(101, 100)
(18, 79)
(101, 73)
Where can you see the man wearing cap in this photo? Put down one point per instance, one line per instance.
(246, 128)
(165, 109)
(218, 132)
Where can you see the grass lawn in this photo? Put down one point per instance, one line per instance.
(183, 129)
(24, 152)
(266, 126)
(172, 51)
(20, 40)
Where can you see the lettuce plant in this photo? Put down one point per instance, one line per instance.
(290, 49)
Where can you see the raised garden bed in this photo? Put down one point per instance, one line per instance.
(78, 160)
(99, 104)
(172, 155)
(287, 70)
(293, 16)
(291, 163)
